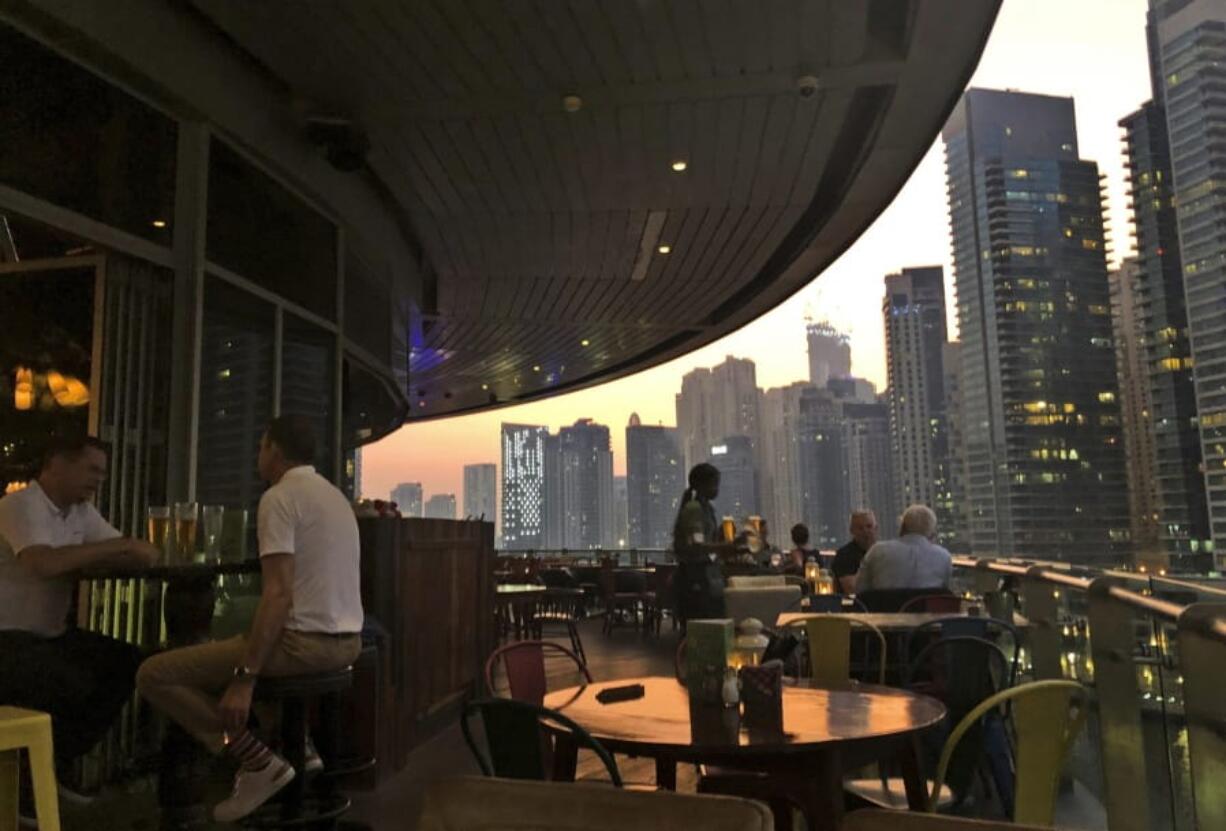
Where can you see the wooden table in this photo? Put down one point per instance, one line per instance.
(517, 605)
(825, 733)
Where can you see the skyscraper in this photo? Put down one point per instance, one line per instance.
(1041, 422)
(1180, 280)
(407, 496)
(480, 491)
(823, 467)
(579, 487)
(621, 508)
(716, 403)
(655, 478)
(1135, 410)
(440, 506)
(870, 464)
(953, 503)
(523, 480)
(914, 314)
(829, 353)
(779, 481)
(738, 487)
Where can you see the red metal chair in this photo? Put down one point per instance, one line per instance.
(940, 604)
(524, 665)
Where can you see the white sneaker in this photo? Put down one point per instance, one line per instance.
(311, 760)
(252, 788)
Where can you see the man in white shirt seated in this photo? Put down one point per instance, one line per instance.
(49, 531)
(309, 618)
(913, 561)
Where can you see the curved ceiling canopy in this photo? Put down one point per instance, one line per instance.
(597, 186)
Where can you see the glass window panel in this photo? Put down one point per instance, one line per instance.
(73, 139)
(308, 388)
(368, 309)
(369, 409)
(236, 394)
(46, 357)
(261, 231)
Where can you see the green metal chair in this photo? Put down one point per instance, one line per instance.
(829, 638)
(518, 747)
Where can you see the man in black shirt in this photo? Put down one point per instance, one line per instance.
(847, 559)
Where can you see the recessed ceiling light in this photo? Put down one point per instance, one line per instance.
(664, 249)
(485, 386)
(585, 342)
(536, 369)
(572, 103)
(679, 166)
(159, 223)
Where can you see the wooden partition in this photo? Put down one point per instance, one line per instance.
(429, 584)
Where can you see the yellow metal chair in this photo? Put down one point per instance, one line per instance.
(1043, 730)
(829, 638)
(31, 730)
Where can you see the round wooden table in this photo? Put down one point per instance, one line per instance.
(825, 733)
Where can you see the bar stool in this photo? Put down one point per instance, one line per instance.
(30, 729)
(294, 807)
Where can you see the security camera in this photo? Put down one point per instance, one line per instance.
(807, 85)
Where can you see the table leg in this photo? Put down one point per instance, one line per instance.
(912, 776)
(565, 758)
(666, 773)
(820, 791)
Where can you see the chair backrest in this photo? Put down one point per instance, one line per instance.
(756, 580)
(962, 672)
(472, 804)
(989, 629)
(892, 600)
(765, 603)
(679, 661)
(941, 604)
(1044, 727)
(517, 749)
(524, 664)
(829, 639)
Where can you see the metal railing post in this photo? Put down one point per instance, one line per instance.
(1042, 608)
(1112, 638)
(1202, 661)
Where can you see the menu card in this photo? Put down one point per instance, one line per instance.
(762, 694)
(707, 645)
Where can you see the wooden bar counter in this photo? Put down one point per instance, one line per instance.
(428, 583)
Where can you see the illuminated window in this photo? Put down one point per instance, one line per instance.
(1090, 244)
(1106, 397)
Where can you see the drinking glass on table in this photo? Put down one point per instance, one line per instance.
(158, 529)
(187, 518)
(212, 517)
(234, 535)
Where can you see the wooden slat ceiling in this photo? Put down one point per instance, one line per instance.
(535, 221)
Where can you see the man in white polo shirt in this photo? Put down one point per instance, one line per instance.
(309, 618)
(49, 531)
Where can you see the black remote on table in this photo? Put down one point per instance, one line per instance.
(627, 693)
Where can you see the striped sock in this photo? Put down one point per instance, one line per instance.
(248, 751)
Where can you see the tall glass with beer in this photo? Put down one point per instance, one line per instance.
(158, 528)
(187, 520)
(729, 528)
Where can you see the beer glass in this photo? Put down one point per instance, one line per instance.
(234, 535)
(158, 527)
(755, 522)
(187, 516)
(729, 526)
(211, 518)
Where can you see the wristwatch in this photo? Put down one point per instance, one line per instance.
(242, 673)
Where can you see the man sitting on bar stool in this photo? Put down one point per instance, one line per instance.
(309, 619)
(50, 530)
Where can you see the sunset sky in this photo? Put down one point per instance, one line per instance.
(1093, 50)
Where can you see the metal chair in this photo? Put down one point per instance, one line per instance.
(988, 629)
(518, 748)
(831, 663)
(524, 664)
(893, 600)
(561, 607)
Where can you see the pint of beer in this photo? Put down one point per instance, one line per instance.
(187, 517)
(158, 523)
(755, 522)
(729, 527)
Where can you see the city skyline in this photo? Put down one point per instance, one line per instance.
(1102, 64)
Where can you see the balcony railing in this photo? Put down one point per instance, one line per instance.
(1152, 652)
